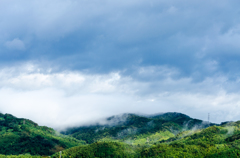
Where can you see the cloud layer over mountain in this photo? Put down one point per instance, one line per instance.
(82, 60)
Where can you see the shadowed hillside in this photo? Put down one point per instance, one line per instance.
(19, 136)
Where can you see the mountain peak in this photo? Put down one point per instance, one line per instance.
(170, 116)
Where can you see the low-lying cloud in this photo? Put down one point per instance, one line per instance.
(74, 98)
(71, 62)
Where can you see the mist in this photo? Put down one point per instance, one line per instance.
(73, 98)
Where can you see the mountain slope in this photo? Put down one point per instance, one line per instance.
(216, 141)
(99, 149)
(20, 136)
(126, 126)
(128, 135)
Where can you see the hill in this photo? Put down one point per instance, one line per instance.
(127, 135)
(213, 142)
(130, 126)
(19, 136)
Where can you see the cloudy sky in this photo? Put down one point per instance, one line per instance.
(68, 62)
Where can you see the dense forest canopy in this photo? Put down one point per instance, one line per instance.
(19, 136)
(132, 125)
(127, 135)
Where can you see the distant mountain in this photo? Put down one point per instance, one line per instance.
(129, 125)
(221, 141)
(19, 136)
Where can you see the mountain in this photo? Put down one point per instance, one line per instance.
(220, 141)
(127, 135)
(170, 116)
(127, 126)
(215, 141)
(99, 150)
(19, 136)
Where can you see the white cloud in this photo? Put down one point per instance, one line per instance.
(69, 98)
(119, 33)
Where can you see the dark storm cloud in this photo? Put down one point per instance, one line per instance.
(88, 59)
(198, 38)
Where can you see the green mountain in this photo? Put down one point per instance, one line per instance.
(128, 135)
(100, 150)
(220, 141)
(129, 126)
(19, 136)
(215, 141)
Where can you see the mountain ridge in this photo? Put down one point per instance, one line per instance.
(127, 124)
(127, 135)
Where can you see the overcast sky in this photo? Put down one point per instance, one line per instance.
(68, 62)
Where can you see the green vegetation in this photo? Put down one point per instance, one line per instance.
(19, 136)
(21, 156)
(168, 135)
(99, 149)
(215, 141)
(131, 126)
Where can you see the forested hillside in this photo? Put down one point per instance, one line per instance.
(213, 142)
(19, 136)
(131, 126)
(129, 135)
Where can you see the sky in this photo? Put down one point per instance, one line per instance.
(72, 62)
